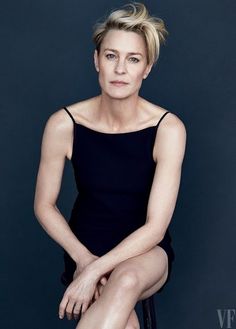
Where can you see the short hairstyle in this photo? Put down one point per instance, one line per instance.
(134, 17)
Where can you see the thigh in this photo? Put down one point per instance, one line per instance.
(149, 269)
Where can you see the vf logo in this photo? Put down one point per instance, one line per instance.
(226, 317)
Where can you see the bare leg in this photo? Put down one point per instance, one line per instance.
(126, 285)
(133, 321)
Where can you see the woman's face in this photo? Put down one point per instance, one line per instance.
(122, 57)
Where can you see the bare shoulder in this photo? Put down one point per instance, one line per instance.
(82, 111)
(170, 136)
(61, 123)
(171, 141)
(58, 134)
(170, 122)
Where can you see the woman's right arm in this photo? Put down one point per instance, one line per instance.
(56, 146)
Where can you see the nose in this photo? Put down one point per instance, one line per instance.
(120, 67)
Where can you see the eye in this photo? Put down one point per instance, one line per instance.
(110, 56)
(134, 59)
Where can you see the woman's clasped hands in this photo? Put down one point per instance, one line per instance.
(82, 291)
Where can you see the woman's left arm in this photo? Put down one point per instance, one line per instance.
(169, 149)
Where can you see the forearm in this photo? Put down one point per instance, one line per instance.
(138, 242)
(58, 229)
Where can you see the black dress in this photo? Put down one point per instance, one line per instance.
(114, 174)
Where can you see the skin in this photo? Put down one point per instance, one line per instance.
(106, 289)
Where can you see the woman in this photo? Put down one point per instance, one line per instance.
(127, 155)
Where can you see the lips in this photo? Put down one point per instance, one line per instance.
(119, 83)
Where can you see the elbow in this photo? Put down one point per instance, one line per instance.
(156, 235)
(37, 207)
(40, 208)
(159, 237)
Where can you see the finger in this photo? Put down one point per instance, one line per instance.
(76, 311)
(103, 280)
(84, 307)
(100, 289)
(69, 309)
(62, 306)
(96, 294)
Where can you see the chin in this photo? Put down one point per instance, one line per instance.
(119, 94)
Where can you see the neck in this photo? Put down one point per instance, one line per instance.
(118, 113)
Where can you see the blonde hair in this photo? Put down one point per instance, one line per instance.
(134, 17)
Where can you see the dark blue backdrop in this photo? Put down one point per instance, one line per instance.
(46, 63)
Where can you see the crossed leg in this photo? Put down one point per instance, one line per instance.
(132, 280)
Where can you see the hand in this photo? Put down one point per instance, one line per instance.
(100, 286)
(78, 294)
(80, 266)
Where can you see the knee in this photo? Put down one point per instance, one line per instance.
(127, 279)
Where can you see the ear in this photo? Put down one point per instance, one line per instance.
(147, 70)
(96, 60)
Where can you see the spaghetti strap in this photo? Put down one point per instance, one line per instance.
(161, 119)
(69, 114)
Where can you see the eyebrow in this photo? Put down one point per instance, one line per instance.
(130, 53)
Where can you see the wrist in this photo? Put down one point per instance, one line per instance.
(94, 268)
(82, 259)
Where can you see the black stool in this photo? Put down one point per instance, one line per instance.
(149, 315)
